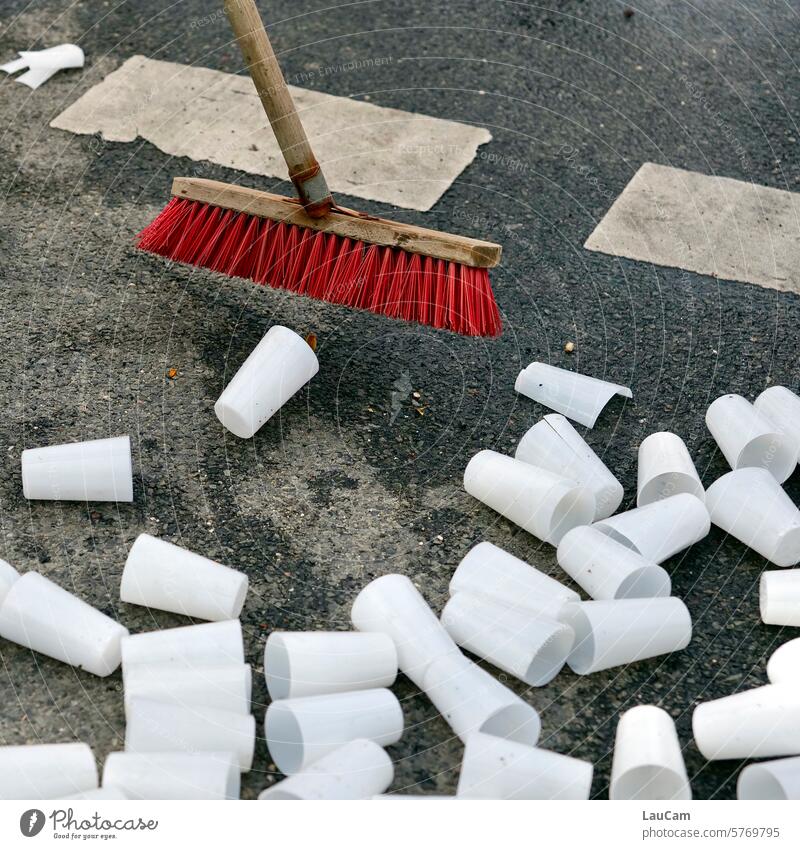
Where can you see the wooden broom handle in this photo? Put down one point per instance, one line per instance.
(304, 170)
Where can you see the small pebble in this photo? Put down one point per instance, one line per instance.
(569, 347)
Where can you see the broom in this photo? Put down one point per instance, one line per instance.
(311, 245)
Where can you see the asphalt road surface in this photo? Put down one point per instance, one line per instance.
(352, 481)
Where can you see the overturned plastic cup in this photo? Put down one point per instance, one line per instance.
(164, 576)
(46, 771)
(661, 529)
(613, 633)
(359, 769)
(97, 470)
(760, 723)
(310, 663)
(278, 367)
(497, 768)
(782, 407)
(154, 726)
(530, 648)
(555, 445)
(471, 700)
(648, 761)
(40, 615)
(392, 605)
(489, 571)
(770, 780)
(779, 597)
(748, 439)
(174, 775)
(751, 506)
(783, 667)
(607, 569)
(577, 396)
(301, 731)
(665, 469)
(544, 504)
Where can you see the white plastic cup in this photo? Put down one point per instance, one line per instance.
(278, 367)
(190, 646)
(311, 663)
(40, 615)
(782, 407)
(47, 771)
(612, 633)
(107, 794)
(357, 770)
(393, 605)
(648, 761)
(607, 569)
(98, 470)
(164, 576)
(748, 439)
(784, 665)
(555, 445)
(665, 469)
(661, 529)
(226, 687)
(161, 727)
(471, 700)
(8, 577)
(544, 504)
(497, 768)
(751, 506)
(577, 396)
(174, 775)
(759, 723)
(770, 780)
(532, 649)
(487, 570)
(301, 731)
(779, 597)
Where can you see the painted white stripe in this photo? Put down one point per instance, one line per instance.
(712, 225)
(368, 151)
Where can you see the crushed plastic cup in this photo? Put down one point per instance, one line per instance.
(278, 367)
(359, 769)
(544, 504)
(607, 569)
(779, 597)
(555, 445)
(648, 761)
(576, 396)
(97, 470)
(751, 506)
(665, 468)
(748, 439)
(310, 663)
(782, 407)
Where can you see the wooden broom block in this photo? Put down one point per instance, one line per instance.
(377, 231)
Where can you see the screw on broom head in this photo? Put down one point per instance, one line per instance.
(270, 240)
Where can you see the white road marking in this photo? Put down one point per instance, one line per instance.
(367, 151)
(712, 225)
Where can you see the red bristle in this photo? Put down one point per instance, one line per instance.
(320, 275)
(381, 279)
